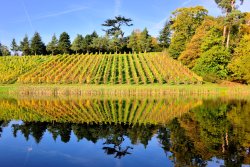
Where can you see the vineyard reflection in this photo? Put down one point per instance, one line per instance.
(190, 131)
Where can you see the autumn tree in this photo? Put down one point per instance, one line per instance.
(240, 64)
(193, 50)
(184, 22)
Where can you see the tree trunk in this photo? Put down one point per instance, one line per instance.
(224, 34)
(228, 37)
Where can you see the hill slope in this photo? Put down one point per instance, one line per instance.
(147, 68)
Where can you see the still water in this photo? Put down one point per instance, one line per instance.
(121, 132)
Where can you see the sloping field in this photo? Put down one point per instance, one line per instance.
(12, 67)
(144, 68)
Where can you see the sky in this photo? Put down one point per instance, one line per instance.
(48, 17)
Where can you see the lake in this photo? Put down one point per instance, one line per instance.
(124, 131)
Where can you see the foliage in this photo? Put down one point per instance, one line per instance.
(213, 62)
(4, 51)
(37, 46)
(193, 50)
(78, 44)
(184, 21)
(115, 25)
(240, 64)
(25, 46)
(52, 46)
(165, 34)
(14, 47)
(64, 43)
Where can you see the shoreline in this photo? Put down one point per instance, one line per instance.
(123, 90)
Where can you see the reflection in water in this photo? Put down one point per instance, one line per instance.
(191, 132)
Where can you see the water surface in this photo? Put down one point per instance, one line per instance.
(119, 132)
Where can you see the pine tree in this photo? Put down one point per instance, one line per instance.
(64, 43)
(25, 46)
(53, 45)
(164, 37)
(37, 46)
(14, 47)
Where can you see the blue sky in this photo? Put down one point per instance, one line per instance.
(20, 17)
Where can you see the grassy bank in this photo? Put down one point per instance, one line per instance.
(123, 90)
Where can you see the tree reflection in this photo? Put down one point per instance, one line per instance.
(216, 128)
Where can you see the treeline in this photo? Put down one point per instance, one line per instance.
(91, 43)
(113, 42)
(216, 48)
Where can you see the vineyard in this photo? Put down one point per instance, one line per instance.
(12, 67)
(128, 111)
(143, 68)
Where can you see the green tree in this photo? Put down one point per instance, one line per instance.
(64, 43)
(145, 41)
(213, 62)
(240, 64)
(4, 51)
(37, 46)
(133, 41)
(78, 44)
(52, 46)
(228, 7)
(88, 41)
(184, 21)
(165, 34)
(14, 47)
(25, 46)
(100, 44)
(116, 24)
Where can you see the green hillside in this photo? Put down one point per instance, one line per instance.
(143, 68)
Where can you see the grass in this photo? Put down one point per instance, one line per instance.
(123, 90)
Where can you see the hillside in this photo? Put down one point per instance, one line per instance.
(144, 68)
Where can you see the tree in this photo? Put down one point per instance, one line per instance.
(228, 6)
(4, 51)
(145, 41)
(115, 43)
(165, 34)
(53, 45)
(240, 63)
(213, 62)
(64, 43)
(78, 44)
(184, 21)
(37, 46)
(25, 46)
(115, 25)
(133, 41)
(100, 44)
(88, 41)
(14, 47)
(193, 49)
